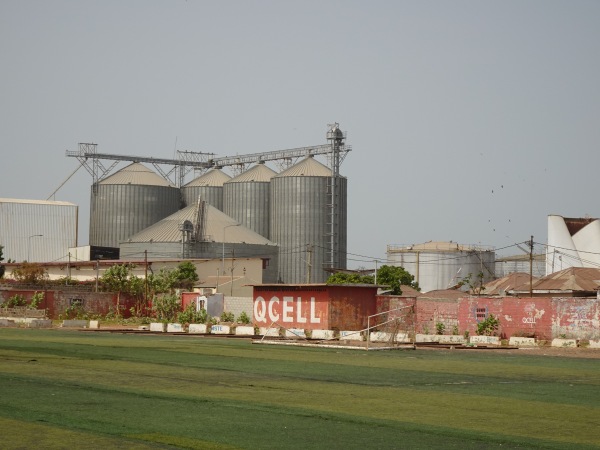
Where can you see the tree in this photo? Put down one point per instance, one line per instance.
(118, 279)
(349, 278)
(394, 277)
(30, 273)
(186, 275)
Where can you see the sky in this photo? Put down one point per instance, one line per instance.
(469, 121)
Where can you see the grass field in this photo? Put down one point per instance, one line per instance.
(70, 389)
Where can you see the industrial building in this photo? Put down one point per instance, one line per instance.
(572, 242)
(303, 209)
(37, 230)
(440, 265)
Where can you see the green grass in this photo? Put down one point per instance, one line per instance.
(67, 389)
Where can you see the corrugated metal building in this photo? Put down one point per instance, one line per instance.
(220, 237)
(301, 221)
(37, 230)
(246, 198)
(129, 201)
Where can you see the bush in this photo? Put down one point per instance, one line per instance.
(15, 301)
(440, 328)
(190, 315)
(243, 318)
(166, 307)
(489, 326)
(227, 317)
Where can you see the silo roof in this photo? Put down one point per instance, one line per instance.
(36, 202)
(168, 229)
(213, 177)
(258, 173)
(138, 174)
(308, 167)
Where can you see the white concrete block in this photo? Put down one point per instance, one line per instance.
(485, 340)
(348, 335)
(40, 323)
(517, 341)
(380, 336)
(244, 330)
(198, 328)
(270, 332)
(175, 328)
(452, 339)
(594, 343)
(220, 329)
(322, 334)
(157, 326)
(94, 324)
(7, 323)
(75, 324)
(564, 342)
(426, 338)
(295, 333)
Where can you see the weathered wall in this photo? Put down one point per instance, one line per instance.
(576, 318)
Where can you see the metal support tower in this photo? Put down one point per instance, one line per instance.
(336, 138)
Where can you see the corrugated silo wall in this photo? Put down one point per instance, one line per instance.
(213, 195)
(299, 218)
(119, 211)
(248, 203)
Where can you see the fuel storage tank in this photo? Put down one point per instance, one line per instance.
(129, 201)
(209, 186)
(246, 198)
(301, 221)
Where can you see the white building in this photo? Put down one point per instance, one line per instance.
(572, 242)
(37, 230)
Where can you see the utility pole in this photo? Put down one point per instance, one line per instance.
(531, 267)
(97, 273)
(309, 250)
(146, 276)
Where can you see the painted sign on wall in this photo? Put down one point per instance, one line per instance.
(301, 311)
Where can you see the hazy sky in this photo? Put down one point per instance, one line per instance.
(470, 121)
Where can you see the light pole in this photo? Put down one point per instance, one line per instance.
(29, 244)
(223, 255)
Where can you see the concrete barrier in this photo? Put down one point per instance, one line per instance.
(6, 323)
(452, 339)
(594, 343)
(322, 334)
(517, 341)
(349, 335)
(427, 338)
(175, 328)
(564, 342)
(94, 324)
(75, 324)
(220, 329)
(269, 332)
(485, 340)
(295, 333)
(40, 323)
(380, 336)
(157, 327)
(198, 328)
(244, 330)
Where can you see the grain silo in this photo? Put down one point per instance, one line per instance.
(129, 201)
(208, 186)
(301, 221)
(572, 242)
(246, 198)
(441, 265)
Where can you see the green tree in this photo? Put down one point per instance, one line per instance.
(394, 277)
(349, 278)
(186, 275)
(166, 307)
(119, 279)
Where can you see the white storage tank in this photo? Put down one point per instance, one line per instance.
(441, 265)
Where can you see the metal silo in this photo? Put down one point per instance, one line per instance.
(127, 202)
(246, 198)
(301, 218)
(209, 186)
(441, 265)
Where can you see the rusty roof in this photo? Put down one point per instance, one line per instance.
(507, 283)
(449, 294)
(572, 279)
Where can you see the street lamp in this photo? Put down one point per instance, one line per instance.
(223, 255)
(29, 244)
